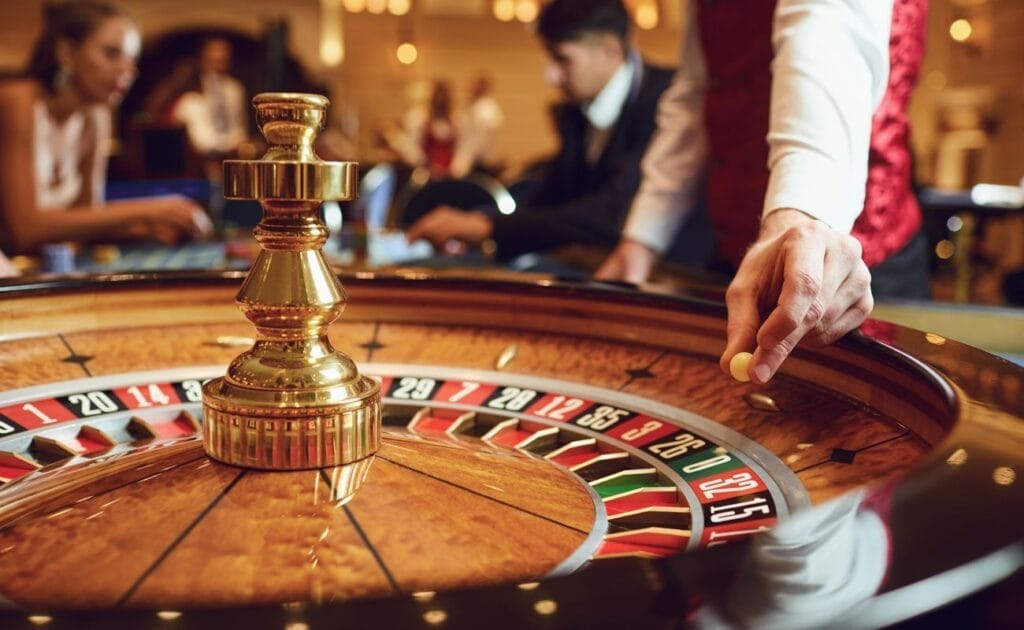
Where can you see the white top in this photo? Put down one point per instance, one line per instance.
(479, 126)
(58, 158)
(216, 118)
(830, 71)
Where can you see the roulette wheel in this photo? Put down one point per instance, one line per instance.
(563, 438)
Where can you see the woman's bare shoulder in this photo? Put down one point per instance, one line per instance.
(19, 90)
(17, 98)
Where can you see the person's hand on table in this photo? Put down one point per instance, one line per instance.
(170, 219)
(630, 261)
(7, 268)
(444, 224)
(801, 281)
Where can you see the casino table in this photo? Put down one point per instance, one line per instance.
(553, 453)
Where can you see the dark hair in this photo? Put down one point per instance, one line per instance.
(441, 100)
(71, 20)
(564, 20)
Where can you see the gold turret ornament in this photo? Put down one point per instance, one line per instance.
(291, 401)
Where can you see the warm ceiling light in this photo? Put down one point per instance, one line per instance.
(505, 10)
(331, 52)
(399, 7)
(376, 7)
(647, 15)
(960, 30)
(354, 6)
(407, 53)
(526, 11)
(332, 44)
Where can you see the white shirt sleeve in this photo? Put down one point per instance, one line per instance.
(238, 114)
(190, 111)
(674, 160)
(830, 72)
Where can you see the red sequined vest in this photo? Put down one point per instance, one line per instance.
(736, 36)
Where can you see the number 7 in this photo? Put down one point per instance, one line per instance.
(467, 389)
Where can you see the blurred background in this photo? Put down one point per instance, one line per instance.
(378, 60)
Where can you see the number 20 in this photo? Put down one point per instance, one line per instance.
(93, 403)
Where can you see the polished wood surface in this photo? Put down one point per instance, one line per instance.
(87, 552)
(186, 530)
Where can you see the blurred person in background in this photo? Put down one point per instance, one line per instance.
(215, 111)
(55, 129)
(479, 126)
(428, 135)
(605, 120)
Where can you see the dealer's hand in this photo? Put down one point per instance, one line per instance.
(802, 281)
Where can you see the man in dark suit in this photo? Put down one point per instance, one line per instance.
(605, 123)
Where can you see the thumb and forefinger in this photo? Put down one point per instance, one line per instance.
(743, 323)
